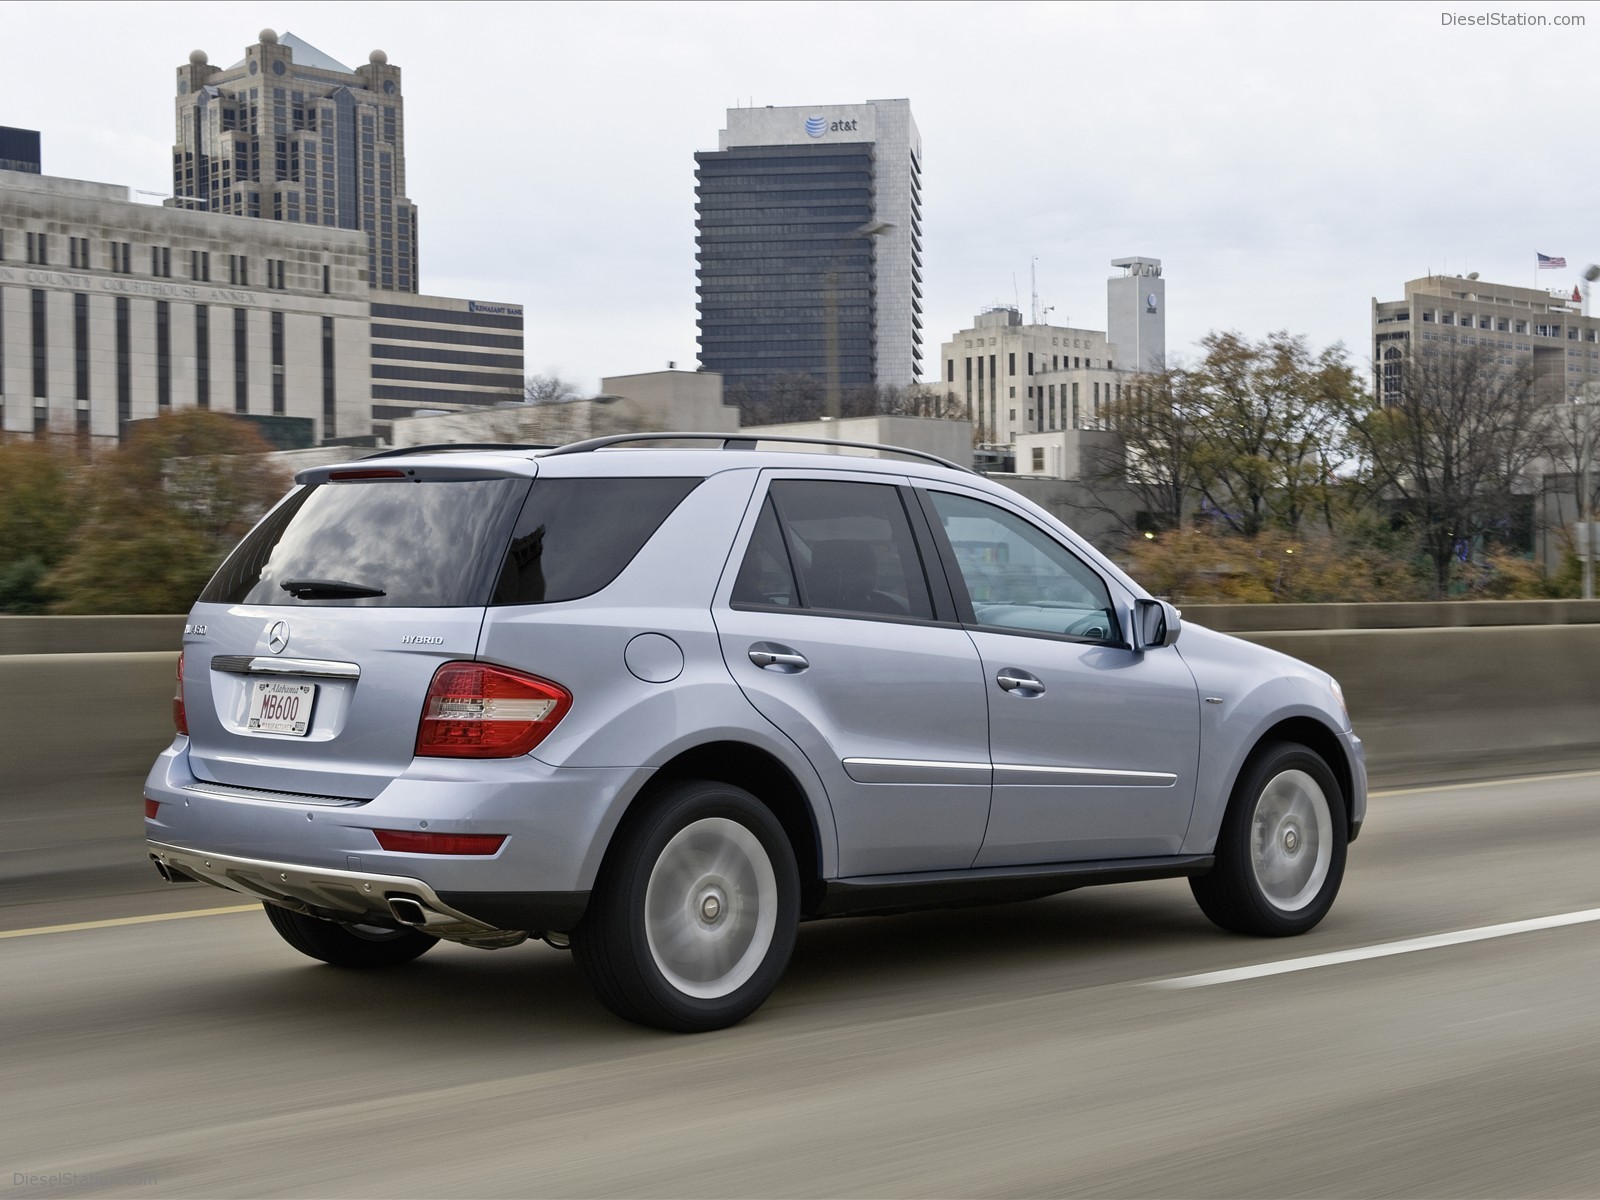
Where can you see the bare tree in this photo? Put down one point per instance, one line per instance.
(1454, 442)
(548, 388)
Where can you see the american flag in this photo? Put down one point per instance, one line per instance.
(1546, 263)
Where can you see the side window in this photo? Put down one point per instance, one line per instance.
(836, 547)
(766, 578)
(1018, 577)
(574, 536)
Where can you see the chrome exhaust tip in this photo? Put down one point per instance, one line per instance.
(408, 911)
(171, 874)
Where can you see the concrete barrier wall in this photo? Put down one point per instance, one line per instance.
(81, 729)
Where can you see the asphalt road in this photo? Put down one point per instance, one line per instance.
(1026, 1050)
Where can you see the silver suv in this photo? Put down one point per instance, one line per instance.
(661, 704)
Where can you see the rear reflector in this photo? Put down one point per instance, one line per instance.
(411, 842)
(151, 807)
(479, 711)
(180, 715)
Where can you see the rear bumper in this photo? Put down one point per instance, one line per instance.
(556, 822)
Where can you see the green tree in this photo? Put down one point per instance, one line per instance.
(40, 509)
(163, 510)
(1273, 424)
(1254, 434)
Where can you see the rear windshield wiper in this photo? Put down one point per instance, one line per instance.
(328, 589)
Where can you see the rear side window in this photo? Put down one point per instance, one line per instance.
(836, 546)
(375, 544)
(574, 536)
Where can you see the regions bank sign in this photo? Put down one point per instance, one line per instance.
(818, 126)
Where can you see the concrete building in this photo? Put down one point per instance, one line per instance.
(685, 401)
(1136, 313)
(783, 203)
(113, 311)
(1547, 328)
(1017, 379)
(291, 134)
(19, 150)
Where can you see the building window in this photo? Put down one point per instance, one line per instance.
(161, 262)
(1011, 363)
(39, 249)
(1522, 327)
(1427, 316)
(78, 253)
(278, 403)
(1075, 423)
(200, 266)
(124, 366)
(202, 356)
(239, 270)
(41, 356)
(329, 399)
(80, 345)
(163, 354)
(241, 360)
(1038, 458)
(950, 370)
(1030, 362)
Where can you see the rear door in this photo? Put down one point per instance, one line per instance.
(309, 655)
(836, 634)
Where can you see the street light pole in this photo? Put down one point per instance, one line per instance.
(1586, 450)
(830, 314)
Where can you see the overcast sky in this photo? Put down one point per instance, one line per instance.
(1286, 162)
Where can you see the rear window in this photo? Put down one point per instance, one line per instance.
(376, 544)
(574, 536)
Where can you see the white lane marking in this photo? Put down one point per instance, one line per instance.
(1361, 953)
(108, 924)
(1468, 785)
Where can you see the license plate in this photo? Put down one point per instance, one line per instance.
(277, 707)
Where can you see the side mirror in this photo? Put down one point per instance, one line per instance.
(1155, 623)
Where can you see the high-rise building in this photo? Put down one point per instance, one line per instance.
(1521, 324)
(796, 203)
(290, 134)
(1136, 313)
(19, 150)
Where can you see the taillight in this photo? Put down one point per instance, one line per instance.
(408, 842)
(479, 711)
(180, 715)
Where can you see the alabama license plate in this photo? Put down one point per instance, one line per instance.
(277, 707)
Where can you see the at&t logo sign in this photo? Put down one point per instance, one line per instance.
(817, 126)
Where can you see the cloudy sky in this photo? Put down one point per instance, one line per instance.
(1286, 162)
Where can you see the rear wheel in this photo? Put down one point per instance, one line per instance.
(344, 945)
(695, 914)
(1281, 850)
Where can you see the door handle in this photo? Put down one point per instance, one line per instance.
(777, 658)
(1013, 680)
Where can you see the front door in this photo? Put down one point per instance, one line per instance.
(1095, 746)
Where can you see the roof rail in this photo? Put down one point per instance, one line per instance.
(442, 447)
(744, 441)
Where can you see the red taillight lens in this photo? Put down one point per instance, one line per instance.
(151, 807)
(180, 715)
(478, 711)
(408, 842)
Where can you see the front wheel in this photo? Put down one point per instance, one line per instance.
(343, 945)
(1281, 850)
(695, 913)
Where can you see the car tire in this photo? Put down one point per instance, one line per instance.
(342, 945)
(1281, 850)
(695, 913)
